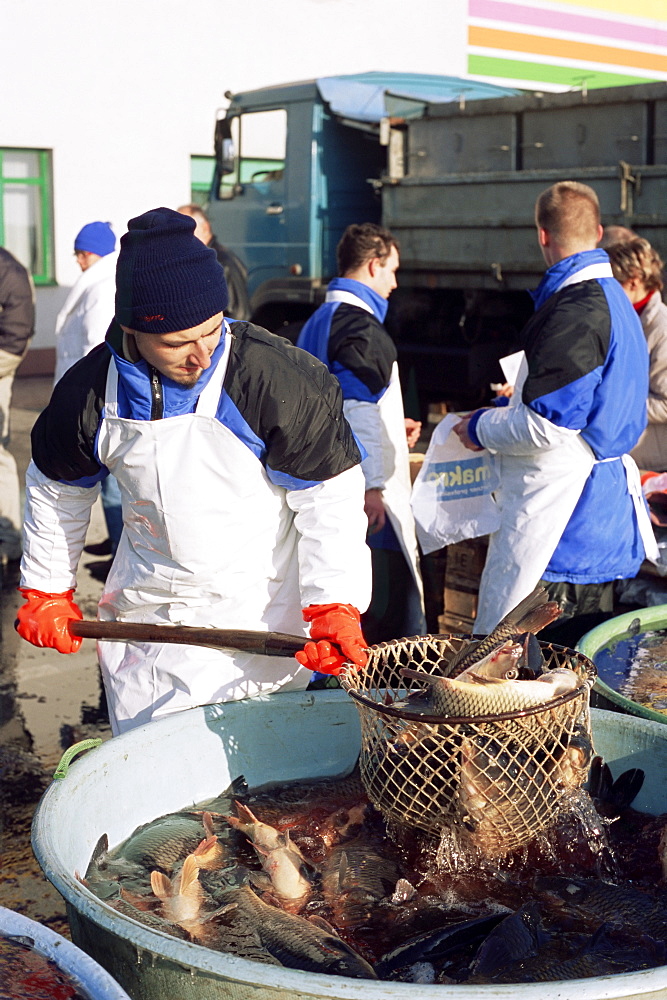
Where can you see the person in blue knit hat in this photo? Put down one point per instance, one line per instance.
(82, 324)
(83, 321)
(242, 490)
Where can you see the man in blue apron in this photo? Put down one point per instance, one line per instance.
(572, 513)
(346, 333)
(241, 487)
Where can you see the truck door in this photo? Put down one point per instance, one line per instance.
(251, 217)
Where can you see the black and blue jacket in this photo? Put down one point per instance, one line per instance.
(588, 371)
(279, 401)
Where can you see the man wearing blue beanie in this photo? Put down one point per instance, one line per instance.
(241, 484)
(82, 322)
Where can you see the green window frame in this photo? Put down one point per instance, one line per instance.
(201, 178)
(26, 210)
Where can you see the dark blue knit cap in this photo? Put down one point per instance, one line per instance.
(166, 279)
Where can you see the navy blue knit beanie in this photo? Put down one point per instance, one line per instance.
(166, 279)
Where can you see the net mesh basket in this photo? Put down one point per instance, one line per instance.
(497, 780)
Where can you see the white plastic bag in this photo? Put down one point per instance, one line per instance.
(451, 497)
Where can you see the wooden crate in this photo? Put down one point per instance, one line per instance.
(465, 562)
(416, 462)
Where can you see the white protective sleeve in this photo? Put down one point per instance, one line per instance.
(366, 421)
(334, 560)
(95, 319)
(56, 520)
(518, 430)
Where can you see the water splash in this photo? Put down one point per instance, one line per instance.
(453, 857)
(576, 840)
(578, 837)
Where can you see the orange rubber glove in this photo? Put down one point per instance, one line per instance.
(339, 623)
(43, 620)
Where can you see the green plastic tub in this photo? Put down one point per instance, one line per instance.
(604, 635)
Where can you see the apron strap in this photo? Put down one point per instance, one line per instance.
(340, 295)
(209, 400)
(651, 549)
(207, 404)
(111, 391)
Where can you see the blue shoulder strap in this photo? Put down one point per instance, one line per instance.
(314, 336)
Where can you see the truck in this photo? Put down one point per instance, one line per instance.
(453, 168)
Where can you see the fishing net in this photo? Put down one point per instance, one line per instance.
(497, 780)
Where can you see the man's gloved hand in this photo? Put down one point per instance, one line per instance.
(339, 623)
(43, 620)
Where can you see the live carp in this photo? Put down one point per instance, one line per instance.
(471, 695)
(533, 613)
(388, 907)
(281, 859)
(291, 940)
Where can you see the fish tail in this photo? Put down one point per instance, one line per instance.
(209, 853)
(535, 599)
(160, 885)
(207, 820)
(190, 884)
(245, 814)
(538, 618)
(244, 819)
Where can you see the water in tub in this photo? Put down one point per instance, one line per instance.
(635, 665)
(310, 876)
(25, 974)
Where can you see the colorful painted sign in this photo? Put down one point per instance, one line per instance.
(604, 43)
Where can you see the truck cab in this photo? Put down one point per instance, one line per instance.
(296, 164)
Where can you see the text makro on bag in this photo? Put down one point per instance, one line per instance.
(451, 497)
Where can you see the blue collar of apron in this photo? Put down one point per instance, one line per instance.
(562, 270)
(363, 292)
(134, 378)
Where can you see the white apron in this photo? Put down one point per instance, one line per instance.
(398, 487)
(395, 456)
(537, 497)
(208, 540)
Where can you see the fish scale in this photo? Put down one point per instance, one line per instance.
(292, 940)
(596, 902)
(355, 876)
(474, 696)
(163, 845)
(535, 612)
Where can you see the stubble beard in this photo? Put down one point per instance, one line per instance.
(188, 381)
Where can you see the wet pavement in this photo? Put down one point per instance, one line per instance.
(47, 702)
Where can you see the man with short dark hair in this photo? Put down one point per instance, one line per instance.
(242, 492)
(572, 513)
(347, 334)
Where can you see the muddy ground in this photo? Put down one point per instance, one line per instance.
(47, 702)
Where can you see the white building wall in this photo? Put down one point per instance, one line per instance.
(125, 91)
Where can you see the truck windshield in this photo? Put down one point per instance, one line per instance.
(259, 140)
